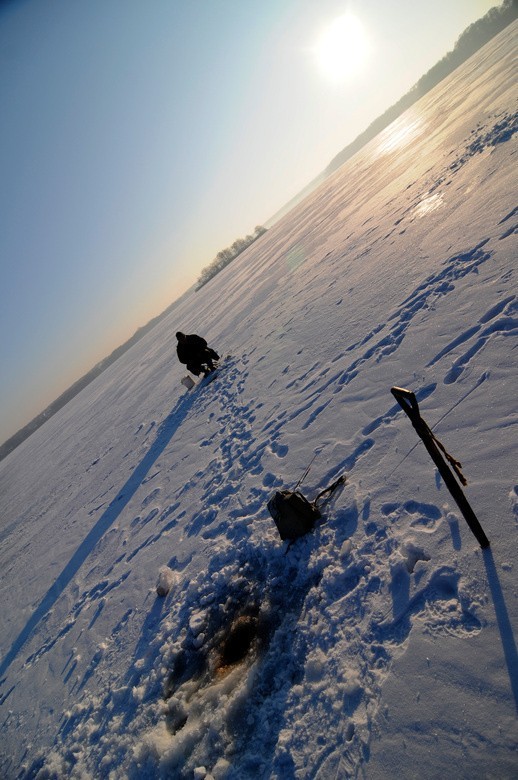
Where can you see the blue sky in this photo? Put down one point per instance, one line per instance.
(137, 139)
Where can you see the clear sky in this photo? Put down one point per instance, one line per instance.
(138, 138)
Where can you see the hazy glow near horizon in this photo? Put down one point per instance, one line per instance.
(342, 48)
(137, 140)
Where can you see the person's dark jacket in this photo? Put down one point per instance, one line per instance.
(191, 349)
(194, 352)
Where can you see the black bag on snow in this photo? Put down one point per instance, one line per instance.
(293, 514)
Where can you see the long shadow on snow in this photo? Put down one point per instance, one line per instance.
(123, 705)
(165, 433)
(504, 623)
(126, 705)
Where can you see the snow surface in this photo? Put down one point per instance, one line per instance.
(381, 645)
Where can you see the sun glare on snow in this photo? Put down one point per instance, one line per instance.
(399, 134)
(342, 48)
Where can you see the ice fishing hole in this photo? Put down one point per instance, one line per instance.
(238, 643)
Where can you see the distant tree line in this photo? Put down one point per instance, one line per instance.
(472, 39)
(225, 256)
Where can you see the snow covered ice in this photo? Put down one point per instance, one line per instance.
(382, 644)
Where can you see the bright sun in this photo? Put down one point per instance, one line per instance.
(342, 48)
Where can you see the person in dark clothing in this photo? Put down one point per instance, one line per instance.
(194, 352)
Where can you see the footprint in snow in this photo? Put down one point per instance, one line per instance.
(151, 497)
(270, 480)
(281, 450)
(440, 606)
(421, 516)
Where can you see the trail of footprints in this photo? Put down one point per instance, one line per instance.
(500, 320)
(387, 337)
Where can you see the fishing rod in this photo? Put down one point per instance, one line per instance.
(303, 477)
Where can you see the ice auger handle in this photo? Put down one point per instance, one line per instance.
(404, 396)
(408, 402)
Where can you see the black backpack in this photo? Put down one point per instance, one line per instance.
(293, 514)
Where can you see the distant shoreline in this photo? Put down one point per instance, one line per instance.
(20, 436)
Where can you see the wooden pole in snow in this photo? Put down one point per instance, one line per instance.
(408, 402)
